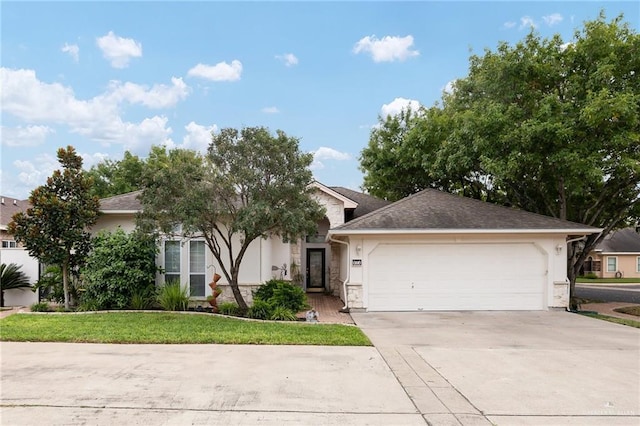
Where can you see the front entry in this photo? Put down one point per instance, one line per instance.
(315, 269)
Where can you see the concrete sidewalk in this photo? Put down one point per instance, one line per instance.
(64, 383)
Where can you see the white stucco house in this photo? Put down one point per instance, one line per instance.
(431, 251)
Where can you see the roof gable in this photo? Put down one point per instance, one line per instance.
(436, 210)
(366, 203)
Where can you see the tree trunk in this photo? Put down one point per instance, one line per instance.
(233, 283)
(65, 283)
(1, 298)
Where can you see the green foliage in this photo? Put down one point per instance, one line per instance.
(229, 308)
(260, 310)
(117, 177)
(12, 277)
(173, 297)
(142, 299)
(278, 293)
(590, 275)
(51, 287)
(280, 313)
(250, 185)
(119, 266)
(55, 228)
(40, 307)
(88, 305)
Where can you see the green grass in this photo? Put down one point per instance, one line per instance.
(608, 280)
(623, 321)
(629, 310)
(163, 327)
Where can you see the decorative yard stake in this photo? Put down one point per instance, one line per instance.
(215, 292)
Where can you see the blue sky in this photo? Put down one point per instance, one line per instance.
(115, 76)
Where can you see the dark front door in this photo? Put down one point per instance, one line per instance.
(315, 269)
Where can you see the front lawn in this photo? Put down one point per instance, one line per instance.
(608, 280)
(163, 327)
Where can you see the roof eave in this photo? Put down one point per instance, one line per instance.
(565, 231)
(119, 211)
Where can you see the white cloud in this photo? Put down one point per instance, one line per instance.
(270, 110)
(289, 59)
(73, 50)
(158, 96)
(326, 153)
(527, 22)
(119, 50)
(34, 173)
(398, 105)
(26, 97)
(510, 24)
(25, 136)
(198, 137)
(448, 88)
(553, 19)
(221, 71)
(387, 49)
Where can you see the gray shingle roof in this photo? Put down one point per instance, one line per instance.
(436, 210)
(366, 203)
(625, 240)
(9, 207)
(122, 202)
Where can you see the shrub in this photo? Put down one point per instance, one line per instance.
(12, 277)
(119, 266)
(51, 286)
(260, 310)
(229, 308)
(173, 297)
(591, 276)
(142, 299)
(40, 307)
(281, 313)
(278, 293)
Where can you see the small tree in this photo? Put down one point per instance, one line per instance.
(55, 228)
(119, 266)
(12, 277)
(250, 185)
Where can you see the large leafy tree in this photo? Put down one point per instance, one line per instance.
(117, 177)
(548, 126)
(55, 228)
(250, 184)
(12, 277)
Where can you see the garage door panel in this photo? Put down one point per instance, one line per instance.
(456, 277)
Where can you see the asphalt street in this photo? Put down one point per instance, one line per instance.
(604, 293)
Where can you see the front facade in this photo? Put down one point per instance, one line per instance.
(311, 262)
(617, 256)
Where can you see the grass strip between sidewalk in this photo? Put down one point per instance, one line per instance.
(623, 321)
(172, 328)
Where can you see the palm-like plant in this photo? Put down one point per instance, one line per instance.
(11, 277)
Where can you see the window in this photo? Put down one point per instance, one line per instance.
(9, 244)
(196, 268)
(612, 264)
(638, 264)
(171, 261)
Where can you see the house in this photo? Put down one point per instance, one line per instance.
(12, 252)
(434, 251)
(617, 256)
(429, 251)
(311, 262)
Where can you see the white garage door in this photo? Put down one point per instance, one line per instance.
(441, 277)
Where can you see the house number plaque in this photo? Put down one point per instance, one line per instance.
(356, 262)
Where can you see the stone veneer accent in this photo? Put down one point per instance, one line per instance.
(334, 207)
(354, 296)
(335, 284)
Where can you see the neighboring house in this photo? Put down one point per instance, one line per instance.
(434, 251)
(12, 252)
(618, 255)
(429, 251)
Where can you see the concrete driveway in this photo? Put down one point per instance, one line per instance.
(512, 368)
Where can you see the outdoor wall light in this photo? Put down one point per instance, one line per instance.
(358, 249)
(559, 249)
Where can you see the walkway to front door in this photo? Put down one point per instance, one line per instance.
(328, 308)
